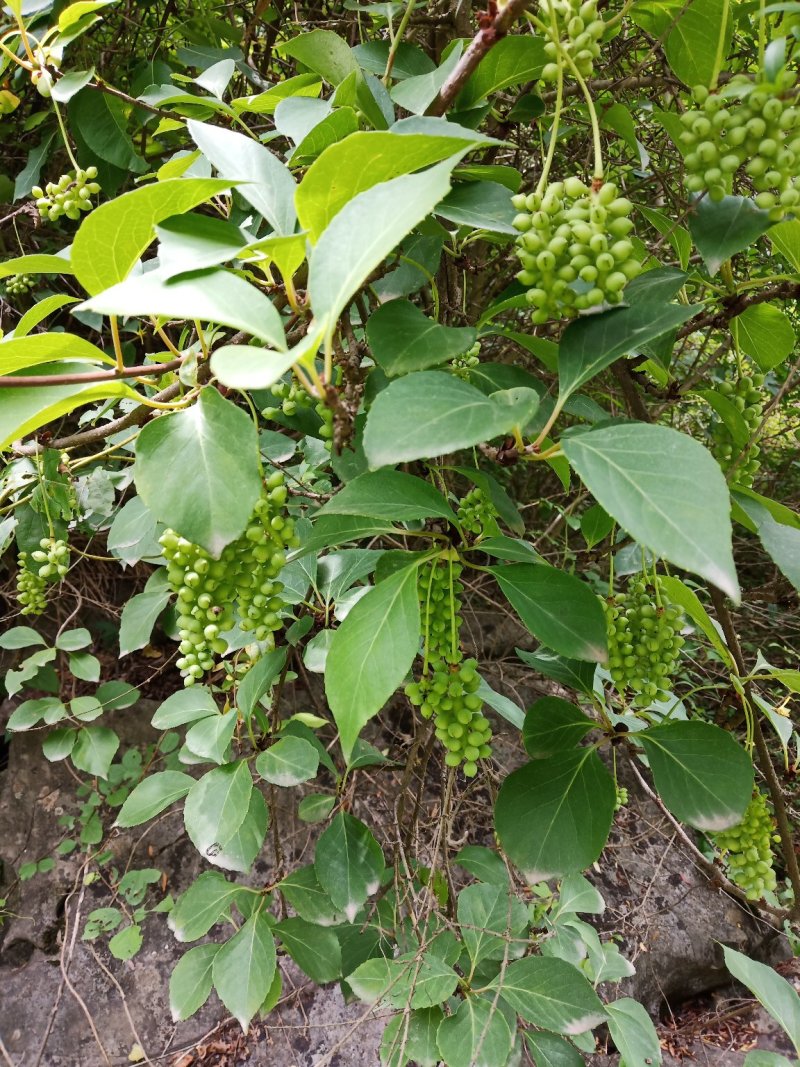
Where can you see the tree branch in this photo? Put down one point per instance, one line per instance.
(737, 303)
(26, 381)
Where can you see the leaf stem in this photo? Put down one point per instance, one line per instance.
(397, 40)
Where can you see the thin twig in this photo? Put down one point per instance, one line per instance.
(8, 381)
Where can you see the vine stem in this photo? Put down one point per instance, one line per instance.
(726, 14)
(64, 135)
(397, 40)
(551, 148)
(596, 142)
(762, 752)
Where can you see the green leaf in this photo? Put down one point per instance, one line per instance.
(151, 796)
(94, 749)
(416, 93)
(551, 1051)
(593, 342)
(513, 60)
(324, 52)
(480, 1034)
(288, 762)
(193, 242)
(686, 598)
(633, 1033)
(365, 231)
(20, 353)
(691, 47)
(244, 968)
(390, 495)
(315, 950)
(420, 983)
(59, 744)
(265, 103)
(766, 333)
(552, 725)
(198, 471)
(102, 120)
(770, 989)
(216, 806)
(482, 863)
(241, 850)
(21, 637)
(403, 339)
(315, 808)
(38, 263)
(212, 295)
(368, 158)
(577, 894)
(409, 59)
(553, 816)
(488, 917)
(480, 206)
(191, 981)
(767, 1059)
(781, 540)
(701, 772)
(113, 236)
(785, 239)
(258, 680)
(666, 490)
(556, 607)
(126, 943)
(371, 653)
(449, 415)
(412, 1037)
(721, 228)
(261, 178)
(141, 612)
(85, 666)
(348, 863)
(304, 893)
(551, 994)
(204, 903)
(210, 738)
(73, 640)
(730, 415)
(186, 705)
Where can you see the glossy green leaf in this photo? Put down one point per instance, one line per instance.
(390, 495)
(403, 339)
(304, 893)
(152, 795)
(20, 353)
(365, 231)
(94, 749)
(259, 679)
(721, 228)
(480, 1034)
(553, 816)
(216, 806)
(770, 989)
(323, 52)
(482, 863)
(113, 236)
(480, 206)
(513, 60)
(37, 263)
(781, 540)
(553, 725)
(548, 1050)
(556, 607)
(785, 239)
(633, 1033)
(185, 705)
(248, 840)
(59, 744)
(422, 983)
(210, 738)
(348, 863)
(198, 471)
(315, 950)
(666, 490)
(191, 981)
(126, 943)
(491, 921)
(691, 46)
(371, 653)
(141, 612)
(266, 183)
(701, 772)
(551, 994)
(244, 967)
(288, 762)
(766, 333)
(207, 900)
(315, 808)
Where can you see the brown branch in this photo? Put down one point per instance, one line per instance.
(28, 380)
(734, 305)
(483, 41)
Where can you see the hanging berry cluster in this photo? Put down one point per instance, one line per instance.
(748, 399)
(292, 397)
(447, 689)
(243, 581)
(747, 849)
(574, 28)
(44, 566)
(749, 125)
(462, 365)
(574, 247)
(19, 284)
(69, 196)
(477, 514)
(644, 641)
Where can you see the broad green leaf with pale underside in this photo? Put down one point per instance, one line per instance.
(94, 749)
(216, 806)
(288, 762)
(403, 339)
(686, 598)
(420, 982)
(113, 236)
(480, 1034)
(552, 725)
(722, 228)
(315, 950)
(666, 490)
(759, 1058)
(209, 738)
(773, 991)
(244, 967)
(198, 471)
(489, 916)
(553, 816)
(549, 1050)
(701, 773)
(557, 607)
(780, 539)
(766, 333)
(371, 653)
(365, 231)
(348, 863)
(551, 994)
(207, 900)
(448, 413)
(153, 795)
(633, 1033)
(390, 495)
(691, 46)
(19, 353)
(411, 1038)
(38, 263)
(323, 52)
(191, 981)
(212, 295)
(186, 705)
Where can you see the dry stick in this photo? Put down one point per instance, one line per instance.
(484, 40)
(26, 381)
(764, 759)
(121, 992)
(6, 1055)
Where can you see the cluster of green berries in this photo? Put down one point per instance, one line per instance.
(462, 365)
(644, 641)
(243, 581)
(748, 399)
(293, 396)
(579, 29)
(747, 125)
(447, 689)
(622, 797)
(44, 566)
(69, 196)
(20, 284)
(574, 247)
(747, 849)
(477, 514)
